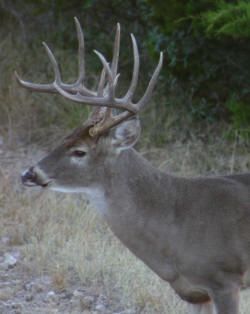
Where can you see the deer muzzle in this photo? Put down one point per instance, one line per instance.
(34, 176)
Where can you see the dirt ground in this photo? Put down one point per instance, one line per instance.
(23, 292)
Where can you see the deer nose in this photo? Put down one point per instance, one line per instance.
(29, 177)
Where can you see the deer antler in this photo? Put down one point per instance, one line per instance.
(105, 94)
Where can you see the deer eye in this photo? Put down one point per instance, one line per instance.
(78, 153)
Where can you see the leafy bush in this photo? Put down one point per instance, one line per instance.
(204, 68)
(229, 19)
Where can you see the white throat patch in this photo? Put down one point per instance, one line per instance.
(96, 196)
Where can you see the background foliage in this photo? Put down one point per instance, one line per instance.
(206, 45)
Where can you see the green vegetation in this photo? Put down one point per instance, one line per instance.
(229, 19)
(207, 50)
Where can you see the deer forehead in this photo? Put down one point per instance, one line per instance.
(79, 138)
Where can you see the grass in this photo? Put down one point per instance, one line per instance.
(62, 235)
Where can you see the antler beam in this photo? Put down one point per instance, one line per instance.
(105, 94)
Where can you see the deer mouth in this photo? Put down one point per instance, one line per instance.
(47, 184)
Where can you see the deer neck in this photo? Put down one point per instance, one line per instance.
(133, 189)
(130, 186)
(135, 209)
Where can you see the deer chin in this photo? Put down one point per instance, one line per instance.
(33, 184)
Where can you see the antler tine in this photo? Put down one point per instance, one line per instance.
(145, 98)
(116, 51)
(70, 88)
(133, 85)
(111, 79)
(101, 83)
(115, 76)
(105, 66)
(54, 64)
(45, 88)
(81, 62)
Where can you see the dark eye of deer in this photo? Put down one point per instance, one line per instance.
(78, 153)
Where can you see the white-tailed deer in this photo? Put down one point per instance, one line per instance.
(193, 233)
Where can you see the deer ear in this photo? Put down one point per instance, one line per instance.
(126, 134)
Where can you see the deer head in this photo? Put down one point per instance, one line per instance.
(77, 163)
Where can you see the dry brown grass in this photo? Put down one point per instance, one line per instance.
(59, 278)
